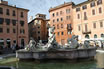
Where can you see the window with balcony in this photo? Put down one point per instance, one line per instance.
(99, 2)
(1, 30)
(100, 10)
(93, 12)
(94, 25)
(22, 14)
(22, 23)
(101, 24)
(1, 10)
(7, 12)
(1, 20)
(84, 7)
(86, 28)
(7, 21)
(77, 9)
(14, 13)
(92, 4)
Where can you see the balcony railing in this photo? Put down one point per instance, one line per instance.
(86, 32)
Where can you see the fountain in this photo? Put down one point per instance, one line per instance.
(52, 50)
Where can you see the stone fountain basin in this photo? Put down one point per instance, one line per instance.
(60, 54)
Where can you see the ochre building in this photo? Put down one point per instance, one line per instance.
(61, 17)
(13, 25)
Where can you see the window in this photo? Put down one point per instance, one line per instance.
(79, 28)
(85, 16)
(57, 14)
(102, 35)
(94, 25)
(1, 20)
(8, 30)
(77, 9)
(100, 10)
(38, 32)
(14, 13)
(7, 12)
(101, 23)
(22, 31)
(60, 12)
(22, 14)
(93, 12)
(14, 22)
(78, 16)
(58, 33)
(92, 4)
(57, 20)
(62, 33)
(84, 7)
(53, 20)
(1, 30)
(38, 37)
(38, 27)
(67, 17)
(99, 2)
(61, 19)
(61, 25)
(14, 30)
(95, 36)
(7, 21)
(53, 14)
(1, 10)
(57, 26)
(86, 29)
(67, 10)
(22, 23)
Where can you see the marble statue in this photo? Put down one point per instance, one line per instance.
(73, 42)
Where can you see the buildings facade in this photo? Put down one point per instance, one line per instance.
(61, 17)
(38, 28)
(13, 25)
(88, 19)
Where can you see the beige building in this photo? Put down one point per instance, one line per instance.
(38, 28)
(88, 19)
(13, 25)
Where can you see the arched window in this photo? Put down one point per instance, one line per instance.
(1, 42)
(102, 35)
(95, 36)
(87, 36)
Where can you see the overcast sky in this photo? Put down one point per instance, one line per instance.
(39, 6)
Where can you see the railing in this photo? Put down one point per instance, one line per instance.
(86, 32)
